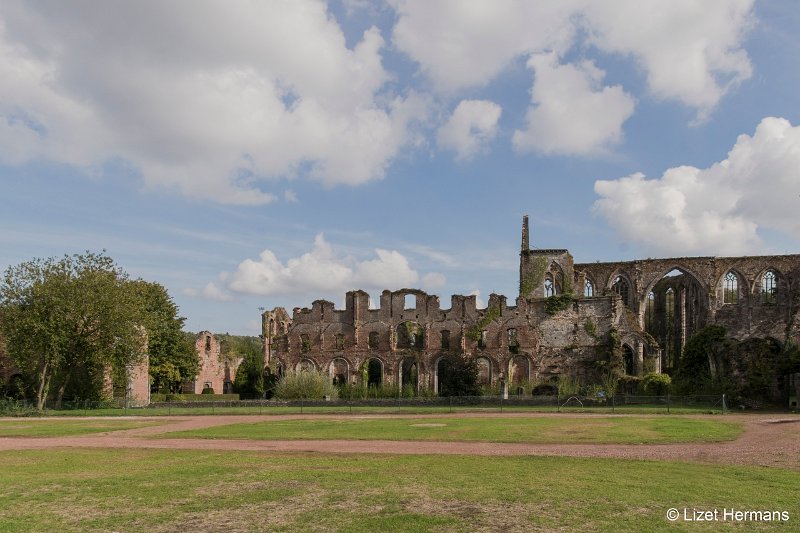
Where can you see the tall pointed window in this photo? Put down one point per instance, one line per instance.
(621, 287)
(769, 287)
(649, 310)
(730, 289)
(549, 288)
(588, 289)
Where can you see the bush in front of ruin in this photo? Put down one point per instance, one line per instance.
(305, 385)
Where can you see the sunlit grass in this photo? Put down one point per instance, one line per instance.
(545, 430)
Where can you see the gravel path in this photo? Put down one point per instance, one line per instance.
(768, 440)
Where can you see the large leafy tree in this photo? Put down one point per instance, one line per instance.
(173, 359)
(250, 378)
(74, 316)
(458, 376)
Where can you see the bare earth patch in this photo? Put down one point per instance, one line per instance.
(767, 440)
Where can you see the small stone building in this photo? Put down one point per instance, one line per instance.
(216, 372)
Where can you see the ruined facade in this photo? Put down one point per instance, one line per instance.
(215, 372)
(567, 320)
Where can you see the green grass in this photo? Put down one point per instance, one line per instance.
(369, 409)
(170, 490)
(43, 427)
(542, 430)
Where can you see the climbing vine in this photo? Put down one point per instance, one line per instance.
(492, 313)
(535, 275)
(560, 302)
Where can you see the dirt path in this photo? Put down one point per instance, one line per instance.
(768, 440)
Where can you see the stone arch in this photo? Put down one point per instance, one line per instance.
(588, 288)
(374, 369)
(519, 369)
(339, 370)
(306, 364)
(438, 371)
(629, 359)
(770, 286)
(409, 336)
(680, 308)
(734, 291)
(409, 373)
(484, 370)
(620, 283)
(556, 276)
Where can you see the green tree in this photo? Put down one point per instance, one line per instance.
(70, 317)
(173, 359)
(250, 377)
(458, 376)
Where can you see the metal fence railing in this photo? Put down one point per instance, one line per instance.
(620, 403)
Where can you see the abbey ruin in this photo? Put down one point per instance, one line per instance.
(563, 322)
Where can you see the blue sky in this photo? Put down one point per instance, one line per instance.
(266, 155)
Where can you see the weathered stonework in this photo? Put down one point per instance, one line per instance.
(546, 333)
(215, 372)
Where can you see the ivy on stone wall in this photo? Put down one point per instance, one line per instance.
(492, 313)
(558, 303)
(534, 277)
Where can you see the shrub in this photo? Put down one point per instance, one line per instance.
(657, 384)
(307, 384)
(208, 390)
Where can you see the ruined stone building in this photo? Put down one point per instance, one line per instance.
(564, 322)
(215, 371)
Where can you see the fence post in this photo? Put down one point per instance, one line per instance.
(301, 406)
(85, 408)
(613, 403)
(668, 400)
(451, 403)
(723, 404)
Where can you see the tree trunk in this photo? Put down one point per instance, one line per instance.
(44, 384)
(61, 390)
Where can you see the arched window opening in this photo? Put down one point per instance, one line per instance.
(513, 342)
(588, 289)
(730, 291)
(339, 341)
(445, 339)
(208, 343)
(306, 365)
(621, 287)
(410, 302)
(410, 376)
(629, 360)
(339, 371)
(769, 287)
(482, 339)
(409, 335)
(484, 371)
(305, 343)
(649, 309)
(374, 373)
(549, 287)
(519, 370)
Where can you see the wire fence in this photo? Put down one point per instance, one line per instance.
(620, 403)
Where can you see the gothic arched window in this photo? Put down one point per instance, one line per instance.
(730, 290)
(588, 289)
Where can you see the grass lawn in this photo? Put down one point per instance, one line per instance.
(48, 427)
(171, 490)
(543, 430)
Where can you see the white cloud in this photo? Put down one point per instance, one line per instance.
(433, 280)
(472, 125)
(212, 292)
(572, 114)
(320, 271)
(289, 196)
(213, 104)
(717, 209)
(689, 51)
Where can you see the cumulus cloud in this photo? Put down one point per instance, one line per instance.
(210, 292)
(214, 104)
(472, 125)
(433, 280)
(320, 271)
(689, 51)
(572, 113)
(718, 209)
